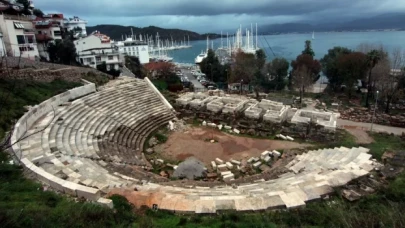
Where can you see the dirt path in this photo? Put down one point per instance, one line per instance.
(360, 135)
(196, 142)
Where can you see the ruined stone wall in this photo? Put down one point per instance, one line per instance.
(365, 115)
(310, 131)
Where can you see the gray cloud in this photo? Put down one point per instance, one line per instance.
(210, 15)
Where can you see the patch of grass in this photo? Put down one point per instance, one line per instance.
(384, 142)
(98, 79)
(19, 93)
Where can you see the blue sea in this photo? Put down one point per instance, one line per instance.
(291, 45)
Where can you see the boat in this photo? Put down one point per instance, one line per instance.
(313, 35)
(203, 54)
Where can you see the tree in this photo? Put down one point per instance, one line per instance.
(244, 67)
(373, 57)
(389, 81)
(161, 70)
(135, 66)
(351, 68)
(211, 67)
(62, 52)
(330, 68)
(301, 79)
(26, 5)
(308, 49)
(277, 71)
(261, 59)
(38, 13)
(113, 72)
(305, 72)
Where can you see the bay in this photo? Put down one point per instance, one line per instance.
(291, 45)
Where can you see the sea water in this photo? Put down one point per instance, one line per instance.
(290, 45)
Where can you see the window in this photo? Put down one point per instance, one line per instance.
(84, 42)
(133, 49)
(39, 32)
(30, 39)
(20, 39)
(18, 25)
(125, 49)
(98, 59)
(110, 57)
(57, 33)
(89, 60)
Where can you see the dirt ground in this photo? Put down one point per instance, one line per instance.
(360, 134)
(196, 142)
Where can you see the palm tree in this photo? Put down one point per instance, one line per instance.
(373, 57)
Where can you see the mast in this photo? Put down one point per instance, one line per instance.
(132, 33)
(251, 34)
(208, 45)
(222, 45)
(256, 36)
(188, 37)
(212, 45)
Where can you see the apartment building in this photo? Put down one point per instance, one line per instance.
(97, 48)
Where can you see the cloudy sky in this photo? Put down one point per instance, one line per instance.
(216, 15)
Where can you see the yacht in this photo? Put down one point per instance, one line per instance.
(203, 54)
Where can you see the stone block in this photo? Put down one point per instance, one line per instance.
(236, 131)
(214, 165)
(221, 167)
(235, 162)
(220, 127)
(229, 165)
(225, 173)
(257, 164)
(267, 159)
(264, 154)
(276, 153)
(290, 138)
(228, 127)
(228, 177)
(105, 202)
(219, 161)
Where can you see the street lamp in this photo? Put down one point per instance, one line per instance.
(241, 81)
(375, 107)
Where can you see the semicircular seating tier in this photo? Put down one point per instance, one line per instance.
(69, 140)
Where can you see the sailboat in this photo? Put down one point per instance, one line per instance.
(313, 35)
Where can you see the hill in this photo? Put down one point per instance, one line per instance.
(379, 22)
(116, 32)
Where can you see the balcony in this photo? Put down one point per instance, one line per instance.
(29, 31)
(43, 37)
(17, 17)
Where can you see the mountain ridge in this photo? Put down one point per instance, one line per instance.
(118, 32)
(379, 22)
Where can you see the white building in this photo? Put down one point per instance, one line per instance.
(19, 36)
(136, 48)
(75, 22)
(95, 49)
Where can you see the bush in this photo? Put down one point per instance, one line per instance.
(175, 87)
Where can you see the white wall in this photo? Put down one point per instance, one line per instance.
(10, 38)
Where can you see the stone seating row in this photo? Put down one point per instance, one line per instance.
(290, 190)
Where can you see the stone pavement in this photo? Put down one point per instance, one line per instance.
(366, 126)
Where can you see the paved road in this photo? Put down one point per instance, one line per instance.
(367, 126)
(197, 85)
